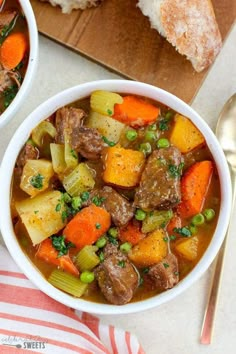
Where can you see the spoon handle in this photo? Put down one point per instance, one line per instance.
(209, 316)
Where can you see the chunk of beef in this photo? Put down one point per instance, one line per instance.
(116, 276)
(159, 187)
(119, 207)
(6, 17)
(68, 119)
(89, 143)
(8, 78)
(164, 275)
(29, 152)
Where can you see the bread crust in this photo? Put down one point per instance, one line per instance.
(189, 25)
(68, 5)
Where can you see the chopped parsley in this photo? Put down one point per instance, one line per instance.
(166, 265)
(176, 171)
(58, 207)
(98, 226)
(37, 181)
(108, 142)
(85, 196)
(172, 237)
(98, 200)
(109, 111)
(145, 270)
(112, 240)
(73, 153)
(183, 231)
(9, 94)
(121, 264)
(61, 245)
(163, 124)
(165, 239)
(36, 211)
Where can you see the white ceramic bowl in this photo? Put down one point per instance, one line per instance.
(44, 111)
(8, 114)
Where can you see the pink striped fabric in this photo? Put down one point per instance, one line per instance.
(31, 322)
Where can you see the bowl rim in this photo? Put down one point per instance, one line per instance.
(8, 114)
(68, 96)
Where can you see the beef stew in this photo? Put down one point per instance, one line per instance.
(115, 198)
(14, 51)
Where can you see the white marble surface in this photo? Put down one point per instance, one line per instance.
(173, 327)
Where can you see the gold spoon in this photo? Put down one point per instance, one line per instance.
(226, 134)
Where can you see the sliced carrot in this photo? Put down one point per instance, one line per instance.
(135, 111)
(87, 226)
(49, 254)
(194, 187)
(13, 50)
(175, 222)
(131, 233)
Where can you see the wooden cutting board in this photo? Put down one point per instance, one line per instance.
(118, 36)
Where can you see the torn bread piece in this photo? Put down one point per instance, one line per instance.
(189, 25)
(68, 5)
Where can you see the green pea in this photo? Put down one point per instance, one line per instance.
(140, 214)
(145, 148)
(169, 114)
(209, 214)
(198, 219)
(150, 136)
(163, 143)
(193, 229)
(125, 247)
(87, 277)
(113, 232)
(101, 242)
(131, 135)
(76, 203)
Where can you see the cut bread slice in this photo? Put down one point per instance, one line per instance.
(189, 25)
(68, 5)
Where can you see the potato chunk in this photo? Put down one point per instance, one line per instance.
(123, 167)
(185, 136)
(42, 215)
(150, 250)
(188, 248)
(107, 126)
(36, 176)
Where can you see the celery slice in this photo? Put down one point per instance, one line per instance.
(71, 156)
(87, 259)
(43, 128)
(67, 282)
(156, 219)
(79, 180)
(103, 101)
(58, 158)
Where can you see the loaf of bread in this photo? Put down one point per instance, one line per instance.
(68, 5)
(189, 25)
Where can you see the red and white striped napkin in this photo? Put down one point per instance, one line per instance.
(32, 322)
